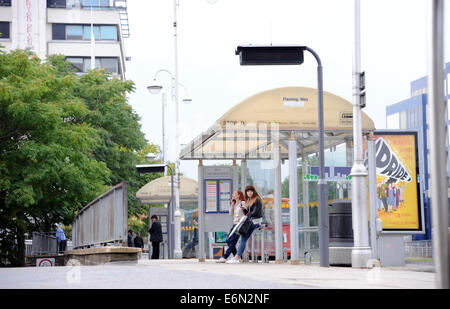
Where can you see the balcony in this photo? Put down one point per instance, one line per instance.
(100, 10)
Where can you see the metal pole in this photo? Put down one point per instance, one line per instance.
(170, 223)
(293, 198)
(361, 252)
(305, 196)
(92, 42)
(243, 174)
(171, 212)
(177, 214)
(373, 194)
(201, 214)
(277, 203)
(164, 157)
(322, 189)
(438, 156)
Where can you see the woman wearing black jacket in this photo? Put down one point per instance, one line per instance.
(254, 206)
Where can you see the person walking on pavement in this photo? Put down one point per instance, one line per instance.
(155, 236)
(138, 241)
(254, 206)
(60, 238)
(237, 206)
(130, 238)
(191, 245)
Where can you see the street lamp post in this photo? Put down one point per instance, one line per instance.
(177, 252)
(293, 55)
(159, 168)
(361, 252)
(154, 88)
(438, 156)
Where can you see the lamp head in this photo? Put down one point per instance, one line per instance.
(154, 87)
(187, 99)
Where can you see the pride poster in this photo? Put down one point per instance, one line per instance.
(398, 198)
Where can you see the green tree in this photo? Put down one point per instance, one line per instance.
(122, 144)
(64, 139)
(46, 170)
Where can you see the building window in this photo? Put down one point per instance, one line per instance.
(403, 117)
(393, 121)
(83, 64)
(105, 33)
(108, 33)
(4, 30)
(83, 32)
(78, 64)
(95, 4)
(74, 32)
(5, 2)
(56, 4)
(87, 32)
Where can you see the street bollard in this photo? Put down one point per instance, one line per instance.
(307, 258)
(245, 257)
(253, 248)
(262, 245)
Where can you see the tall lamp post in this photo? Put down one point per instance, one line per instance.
(361, 252)
(293, 55)
(178, 253)
(155, 88)
(159, 168)
(438, 155)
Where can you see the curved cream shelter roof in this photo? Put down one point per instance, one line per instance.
(158, 191)
(250, 128)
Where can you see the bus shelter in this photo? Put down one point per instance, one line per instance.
(274, 125)
(158, 191)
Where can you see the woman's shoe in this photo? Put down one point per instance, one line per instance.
(233, 261)
(221, 260)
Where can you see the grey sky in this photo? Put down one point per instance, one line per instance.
(393, 53)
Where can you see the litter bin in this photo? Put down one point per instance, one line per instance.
(340, 224)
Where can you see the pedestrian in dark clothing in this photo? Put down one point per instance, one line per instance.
(155, 236)
(138, 241)
(130, 238)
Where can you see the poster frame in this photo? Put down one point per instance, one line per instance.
(419, 179)
(218, 194)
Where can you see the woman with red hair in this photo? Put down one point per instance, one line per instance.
(255, 212)
(237, 206)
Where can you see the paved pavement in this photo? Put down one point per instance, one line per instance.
(190, 274)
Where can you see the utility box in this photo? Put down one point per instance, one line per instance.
(340, 233)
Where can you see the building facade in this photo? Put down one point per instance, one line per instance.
(412, 114)
(64, 27)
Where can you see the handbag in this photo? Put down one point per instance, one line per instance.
(245, 227)
(237, 226)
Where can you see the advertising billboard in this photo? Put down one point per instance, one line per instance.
(399, 204)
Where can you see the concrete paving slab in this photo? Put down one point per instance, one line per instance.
(313, 275)
(191, 274)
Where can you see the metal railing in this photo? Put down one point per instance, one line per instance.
(261, 245)
(44, 243)
(420, 249)
(29, 246)
(104, 220)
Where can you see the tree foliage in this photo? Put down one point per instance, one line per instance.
(64, 139)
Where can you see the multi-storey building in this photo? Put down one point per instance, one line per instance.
(412, 114)
(64, 27)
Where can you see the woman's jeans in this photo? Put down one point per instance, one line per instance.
(244, 239)
(231, 242)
